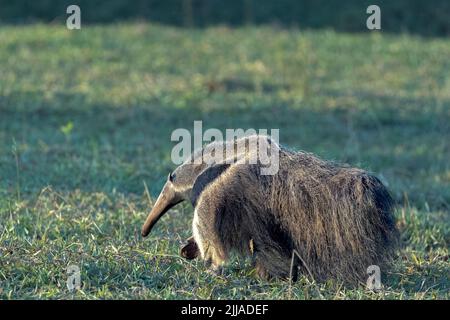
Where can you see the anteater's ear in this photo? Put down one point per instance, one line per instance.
(207, 176)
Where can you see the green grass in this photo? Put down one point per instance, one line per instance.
(86, 118)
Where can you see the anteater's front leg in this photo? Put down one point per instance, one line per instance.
(206, 236)
(190, 249)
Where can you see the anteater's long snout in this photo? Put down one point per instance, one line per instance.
(166, 200)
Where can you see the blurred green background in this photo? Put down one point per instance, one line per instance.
(86, 117)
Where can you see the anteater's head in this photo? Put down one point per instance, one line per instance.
(177, 188)
(188, 180)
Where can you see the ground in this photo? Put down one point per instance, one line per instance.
(85, 124)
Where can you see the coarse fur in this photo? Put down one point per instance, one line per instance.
(336, 219)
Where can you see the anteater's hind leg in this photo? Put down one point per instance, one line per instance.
(261, 271)
(271, 263)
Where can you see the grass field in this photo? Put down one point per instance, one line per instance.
(86, 118)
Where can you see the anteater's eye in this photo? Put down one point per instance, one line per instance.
(171, 177)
